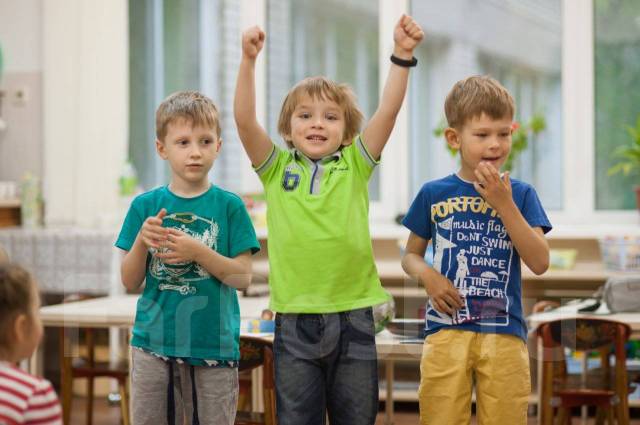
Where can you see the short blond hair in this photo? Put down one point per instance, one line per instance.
(192, 106)
(323, 89)
(473, 96)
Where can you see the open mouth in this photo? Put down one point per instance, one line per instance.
(315, 138)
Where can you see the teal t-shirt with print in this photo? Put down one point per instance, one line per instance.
(183, 310)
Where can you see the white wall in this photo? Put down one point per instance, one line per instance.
(86, 93)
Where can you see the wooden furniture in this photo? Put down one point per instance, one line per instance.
(256, 352)
(73, 367)
(86, 367)
(9, 213)
(607, 391)
(569, 312)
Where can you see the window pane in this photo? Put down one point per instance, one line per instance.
(181, 45)
(617, 95)
(165, 56)
(466, 37)
(334, 38)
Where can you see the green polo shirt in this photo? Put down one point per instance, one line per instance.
(320, 253)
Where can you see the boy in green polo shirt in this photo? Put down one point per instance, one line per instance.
(192, 243)
(322, 274)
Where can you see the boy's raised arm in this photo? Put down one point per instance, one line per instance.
(406, 36)
(254, 138)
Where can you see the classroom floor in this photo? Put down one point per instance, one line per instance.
(406, 414)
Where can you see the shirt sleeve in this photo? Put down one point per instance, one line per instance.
(43, 407)
(533, 212)
(131, 226)
(362, 159)
(242, 236)
(268, 169)
(418, 218)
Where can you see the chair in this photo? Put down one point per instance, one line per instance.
(87, 367)
(605, 389)
(256, 352)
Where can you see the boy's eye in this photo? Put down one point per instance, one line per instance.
(505, 134)
(480, 134)
(332, 117)
(305, 115)
(206, 141)
(183, 142)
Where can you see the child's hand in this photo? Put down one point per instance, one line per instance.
(182, 248)
(443, 295)
(407, 35)
(152, 232)
(496, 190)
(252, 42)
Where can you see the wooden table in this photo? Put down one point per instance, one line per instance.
(570, 311)
(119, 312)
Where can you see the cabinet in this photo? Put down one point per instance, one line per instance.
(9, 213)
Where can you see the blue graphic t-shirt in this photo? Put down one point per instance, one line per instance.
(184, 312)
(473, 250)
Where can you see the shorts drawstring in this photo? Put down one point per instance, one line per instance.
(194, 395)
(171, 405)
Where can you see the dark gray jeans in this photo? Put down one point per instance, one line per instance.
(326, 363)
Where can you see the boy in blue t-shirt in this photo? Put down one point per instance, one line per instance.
(192, 242)
(481, 223)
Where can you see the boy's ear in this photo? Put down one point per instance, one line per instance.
(161, 149)
(219, 145)
(451, 136)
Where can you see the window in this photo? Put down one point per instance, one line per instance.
(617, 95)
(176, 45)
(333, 38)
(465, 37)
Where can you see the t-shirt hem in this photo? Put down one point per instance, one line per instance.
(326, 308)
(500, 331)
(196, 354)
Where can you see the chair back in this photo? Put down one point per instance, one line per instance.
(256, 352)
(585, 335)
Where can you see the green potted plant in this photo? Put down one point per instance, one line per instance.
(519, 138)
(629, 157)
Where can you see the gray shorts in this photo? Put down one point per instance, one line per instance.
(216, 392)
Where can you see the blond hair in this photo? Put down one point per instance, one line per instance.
(321, 88)
(191, 106)
(473, 96)
(17, 290)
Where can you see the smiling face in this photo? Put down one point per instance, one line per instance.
(191, 152)
(481, 139)
(317, 127)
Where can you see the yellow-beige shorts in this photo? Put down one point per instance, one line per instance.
(453, 360)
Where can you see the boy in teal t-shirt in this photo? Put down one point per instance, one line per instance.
(322, 274)
(192, 243)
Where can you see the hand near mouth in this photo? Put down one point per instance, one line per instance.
(493, 187)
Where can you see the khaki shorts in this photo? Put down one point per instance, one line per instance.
(452, 360)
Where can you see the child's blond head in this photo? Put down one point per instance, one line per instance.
(17, 292)
(191, 106)
(473, 96)
(323, 89)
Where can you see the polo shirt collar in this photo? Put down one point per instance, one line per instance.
(300, 156)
